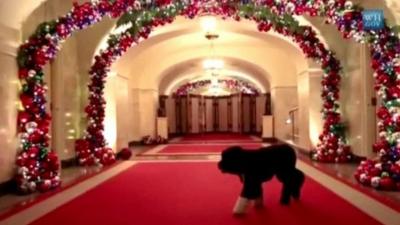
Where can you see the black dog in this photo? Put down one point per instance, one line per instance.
(257, 166)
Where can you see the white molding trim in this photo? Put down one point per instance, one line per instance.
(8, 48)
(9, 33)
(311, 70)
(283, 87)
(145, 90)
(10, 39)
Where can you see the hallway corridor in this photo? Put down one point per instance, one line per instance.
(167, 85)
(169, 185)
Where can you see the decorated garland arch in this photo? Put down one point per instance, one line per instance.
(232, 84)
(38, 166)
(333, 147)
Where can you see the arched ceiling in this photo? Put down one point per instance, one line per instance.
(14, 12)
(190, 70)
(184, 42)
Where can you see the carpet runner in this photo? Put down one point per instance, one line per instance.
(196, 193)
(202, 149)
(216, 136)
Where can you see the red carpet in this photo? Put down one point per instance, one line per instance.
(195, 194)
(216, 136)
(202, 148)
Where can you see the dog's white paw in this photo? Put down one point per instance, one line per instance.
(241, 206)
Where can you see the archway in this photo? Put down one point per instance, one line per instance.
(333, 146)
(38, 166)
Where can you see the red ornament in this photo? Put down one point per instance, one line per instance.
(23, 74)
(23, 118)
(44, 186)
(383, 113)
(33, 152)
(125, 154)
(387, 183)
(35, 137)
(27, 101)
(394, 92)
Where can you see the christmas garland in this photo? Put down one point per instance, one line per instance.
(333, 146)
(117, 45)
(240, 86)
(38, 167)
(384, 172)
(232, 84)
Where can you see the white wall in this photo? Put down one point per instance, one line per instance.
(9, 85)
(284, 98)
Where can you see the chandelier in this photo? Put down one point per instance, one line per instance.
(209, 25)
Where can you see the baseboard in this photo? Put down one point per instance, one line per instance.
(67, 163)
(356, 158)
(134, 143)
(270, 140)
(7, 187)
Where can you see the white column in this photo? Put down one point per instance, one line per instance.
(303, 120)
(162, 127)
(9, 101)
(356, 93)
(171, 114)
(369, 123)
(315, 123)
(148, 103)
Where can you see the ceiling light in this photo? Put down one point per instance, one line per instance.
(209, 24)
(210, 64)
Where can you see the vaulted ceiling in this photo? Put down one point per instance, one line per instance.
(176, 51)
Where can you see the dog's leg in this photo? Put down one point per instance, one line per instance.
(259, 202)
(285, 179)
(241, 206)
(298, 183)
(285, 194)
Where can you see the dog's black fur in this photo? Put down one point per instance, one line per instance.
(257, 166)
